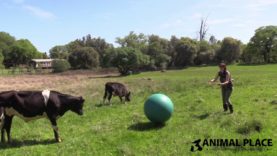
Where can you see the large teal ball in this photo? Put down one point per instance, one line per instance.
(158, 108)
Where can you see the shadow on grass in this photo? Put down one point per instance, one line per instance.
(146, 126)
(250, 126)
(102, 105)
(202, 116)
(18, 144)
(109, 105)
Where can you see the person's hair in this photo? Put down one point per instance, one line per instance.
(223, 65)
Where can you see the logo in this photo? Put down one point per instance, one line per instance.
(229, 143)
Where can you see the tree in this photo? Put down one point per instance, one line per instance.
(1, 60)
(73, 46)
(108, 57)
(157, 50)
(98, 44)
(133, 40)
(186, 50)
(129, 59)
(251, 55)
(6, 41)
(21, 52)
(203, 29)
(205, 53)
(229, 51)
(172, 50)
(59, 52)
(84, 58)
(212, 40)
(263, 44)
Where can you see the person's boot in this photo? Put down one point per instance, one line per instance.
(231, 109)
(225, 108)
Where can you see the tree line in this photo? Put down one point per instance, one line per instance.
(136, 52)
(16, 52)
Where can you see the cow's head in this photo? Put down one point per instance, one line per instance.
(128, 96)
(77, 105)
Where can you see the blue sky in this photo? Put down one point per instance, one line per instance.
(47, 23)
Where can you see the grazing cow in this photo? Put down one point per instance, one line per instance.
(116, 89)
(30, 105)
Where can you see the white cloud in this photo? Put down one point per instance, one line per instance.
(39, 12)
(34, 10)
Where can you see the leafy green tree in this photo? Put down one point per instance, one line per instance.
(229, 51)
(263, 44)
(59, 52)
(21, 52)
(133, 40)
(172, 50)
(60, 65)
(186, 49)
(128, 59)
(108, 56)
(98, 44)
(205, 53)
(158, 51)
(6, 41)
(84, 58)
(251, 55)
(1, 60)
(73, 46)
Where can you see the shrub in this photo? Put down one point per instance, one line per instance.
(60, 66)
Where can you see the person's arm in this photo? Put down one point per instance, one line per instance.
(228, 77)
(215, 79)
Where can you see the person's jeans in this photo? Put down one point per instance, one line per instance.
(226, 93)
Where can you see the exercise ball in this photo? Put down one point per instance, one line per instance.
(158, 108)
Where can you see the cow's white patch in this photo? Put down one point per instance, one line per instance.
(2, 118)
(46, 95)
(11, 112)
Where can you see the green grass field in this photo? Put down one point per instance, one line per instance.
(122, 129)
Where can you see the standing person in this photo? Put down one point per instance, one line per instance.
(226, 86)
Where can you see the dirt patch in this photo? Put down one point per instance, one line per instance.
(75, 82)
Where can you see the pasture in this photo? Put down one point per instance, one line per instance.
(122, 129)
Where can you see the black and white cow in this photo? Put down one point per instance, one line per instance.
(30, 105)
